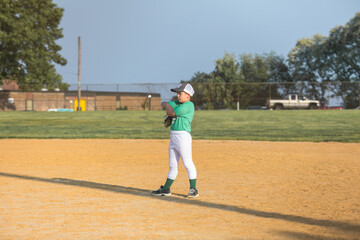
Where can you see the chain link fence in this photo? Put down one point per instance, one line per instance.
(208, 96)
(245, 95)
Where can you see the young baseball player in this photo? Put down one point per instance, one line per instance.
(182, 113)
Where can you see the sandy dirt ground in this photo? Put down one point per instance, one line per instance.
(100, 189)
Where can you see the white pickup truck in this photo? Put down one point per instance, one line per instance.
(293, 101)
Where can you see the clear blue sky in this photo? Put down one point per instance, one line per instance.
(166, 41)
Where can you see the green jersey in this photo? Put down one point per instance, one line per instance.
(184, 115)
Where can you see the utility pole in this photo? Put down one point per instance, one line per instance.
(79, 76)
(269, 85)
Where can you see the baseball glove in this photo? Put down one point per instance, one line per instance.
(167, 121)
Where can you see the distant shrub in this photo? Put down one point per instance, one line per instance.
(123, 108)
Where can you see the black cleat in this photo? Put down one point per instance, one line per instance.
(193, 193)
(161, 192)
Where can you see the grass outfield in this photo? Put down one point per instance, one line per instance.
(299, 125)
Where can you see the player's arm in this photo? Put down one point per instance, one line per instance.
(169, 109)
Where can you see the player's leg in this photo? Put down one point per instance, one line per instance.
(185, 150)
(173, 166)
(173, 171)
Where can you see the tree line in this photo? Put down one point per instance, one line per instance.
(317, 67)
(322, 65)
(28, 51)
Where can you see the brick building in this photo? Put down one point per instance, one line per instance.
(15, 100)
(11, 99)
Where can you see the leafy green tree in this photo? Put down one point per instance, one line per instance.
(280, 78)
(28, 49)
(202, 97)
(217, 89)
(343, 51)
(329, 65)
(245, 80)
(317, 67)
(309, 67)
(224, 79)
(254, 70)
(260, 72)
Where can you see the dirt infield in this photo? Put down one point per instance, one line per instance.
(99, 189)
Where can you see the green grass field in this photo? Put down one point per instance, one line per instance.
(299, 125)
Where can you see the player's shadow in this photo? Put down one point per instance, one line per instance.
(339, 225)
(294, 235)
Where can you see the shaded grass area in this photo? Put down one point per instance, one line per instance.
(299, 125)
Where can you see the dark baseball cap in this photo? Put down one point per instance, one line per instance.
(184, 87)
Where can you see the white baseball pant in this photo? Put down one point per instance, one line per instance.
(181, 146)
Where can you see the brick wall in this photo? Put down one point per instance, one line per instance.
(140, 102)
(43, 101)
(104, 103)
(18, 98)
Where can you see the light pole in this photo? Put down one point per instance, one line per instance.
(149, 102)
